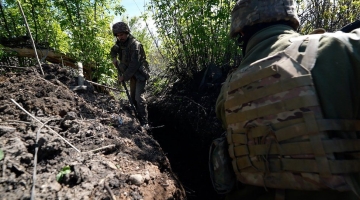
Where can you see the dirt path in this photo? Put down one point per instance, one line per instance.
(130, 165)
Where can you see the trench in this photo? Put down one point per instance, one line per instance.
(188, 159)
(186, 150)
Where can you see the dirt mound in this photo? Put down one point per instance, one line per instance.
(90, 141)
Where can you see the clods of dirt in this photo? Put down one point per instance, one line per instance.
(75, 144)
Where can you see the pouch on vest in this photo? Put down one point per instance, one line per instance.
(222, 176)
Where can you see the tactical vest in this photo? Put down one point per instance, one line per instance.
(277, 135)
(125, 56)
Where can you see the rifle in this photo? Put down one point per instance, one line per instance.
(130, 100)
(349, 27)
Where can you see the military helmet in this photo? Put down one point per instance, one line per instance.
(250, 12)
(120, 27)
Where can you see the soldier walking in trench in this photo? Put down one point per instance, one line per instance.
(292, 108)
(133, 66)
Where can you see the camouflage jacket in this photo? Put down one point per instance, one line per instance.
(336, 75)
(131, 55)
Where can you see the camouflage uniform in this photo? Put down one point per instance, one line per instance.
(132, 57)
(336, 75)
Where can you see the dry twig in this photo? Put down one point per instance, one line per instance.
(105, 86)
(113, 197)
(45, 125)
(32, 40)
(35, 159)
(4, 167)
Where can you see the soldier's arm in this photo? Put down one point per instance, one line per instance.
(113, 53)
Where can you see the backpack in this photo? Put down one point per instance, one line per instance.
(277, 135)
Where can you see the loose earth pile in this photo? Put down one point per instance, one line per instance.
(87, 146)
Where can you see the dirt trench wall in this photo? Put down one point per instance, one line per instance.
(187, 125)
(115, 160)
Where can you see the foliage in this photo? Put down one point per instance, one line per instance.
(1, 154)
(65, 170)
(194, 34)
(330, 15)
(79, 28)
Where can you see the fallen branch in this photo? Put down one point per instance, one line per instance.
(45, 125)
(53, 57)
(105, 86)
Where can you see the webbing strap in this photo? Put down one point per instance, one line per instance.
(316, 144)
(251, 77)
(296, 165)
(323, 125)
(236, 139)
(274, 108)
(259, 131)
(281, 86)
(291, 132)
(292, 128)
(294, 148)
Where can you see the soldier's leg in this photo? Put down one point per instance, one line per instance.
(141, 101)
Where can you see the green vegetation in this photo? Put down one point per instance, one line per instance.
(65, 170)
(330, 15)
(190, 36)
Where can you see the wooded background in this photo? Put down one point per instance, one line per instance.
(191, 34)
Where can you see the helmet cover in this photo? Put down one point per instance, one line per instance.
(250, 12)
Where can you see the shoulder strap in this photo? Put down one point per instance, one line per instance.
(307, 59)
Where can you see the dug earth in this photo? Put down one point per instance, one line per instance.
(56, 143)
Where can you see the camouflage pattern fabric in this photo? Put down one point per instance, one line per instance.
(336, 69)
(274, 125)
(250, 12)
(221, 173)
(132, 57)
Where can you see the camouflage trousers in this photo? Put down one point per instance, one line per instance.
(137, 94)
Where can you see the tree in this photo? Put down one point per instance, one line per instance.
(194, 34)
(79, 28)
(330, 15)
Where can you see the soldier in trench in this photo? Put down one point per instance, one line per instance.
(128, 56)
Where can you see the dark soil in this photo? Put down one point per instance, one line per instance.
(188, 124)
(130, 163)
(170, 161)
